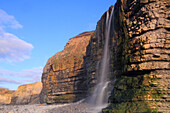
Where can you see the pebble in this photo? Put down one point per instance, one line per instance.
(81, 107)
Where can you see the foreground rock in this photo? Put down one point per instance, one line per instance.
(27, 94)
(36, 108)
(5, 96)
(64, 77)
(78, 107)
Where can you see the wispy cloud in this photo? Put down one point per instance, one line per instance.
(24, 77)
(8, 21)
(7, 80)
(12, 49)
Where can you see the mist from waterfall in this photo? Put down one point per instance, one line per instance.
(100, 95)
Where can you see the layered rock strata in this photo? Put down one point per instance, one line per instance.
(27, 94)
(64, 75)
(145, 66)
(139, 43)
(139, 51)
(95, 51)
(5, 96)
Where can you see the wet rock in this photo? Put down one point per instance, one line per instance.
(141, 50)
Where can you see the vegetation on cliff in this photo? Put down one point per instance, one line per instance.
(139, 44)
(141, 63)
(64, 76)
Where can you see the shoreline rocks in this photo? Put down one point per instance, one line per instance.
(27, 94)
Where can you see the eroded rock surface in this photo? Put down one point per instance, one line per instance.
(140, 56)
(5, 96)
(139, 44)
(64, 76)
(27, 94)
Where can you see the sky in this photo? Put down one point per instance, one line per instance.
(31, 31)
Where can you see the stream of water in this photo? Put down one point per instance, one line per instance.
(99, 98)
(100, 95)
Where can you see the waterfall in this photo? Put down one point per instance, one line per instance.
(100, 95)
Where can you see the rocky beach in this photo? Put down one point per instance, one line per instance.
(36, 108)
(123, 66)
(78, 107)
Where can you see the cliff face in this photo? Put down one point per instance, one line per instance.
(5, 96)
(139, 44)
(64, 75)
(95, 50)
(27, 94)
(139, 51)
(143, 39)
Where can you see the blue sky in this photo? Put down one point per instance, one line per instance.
(31, 31)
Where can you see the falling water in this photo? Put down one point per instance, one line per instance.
(100, 97)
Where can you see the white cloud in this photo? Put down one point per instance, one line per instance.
(12, 49)
(24, 77)
(8, 21)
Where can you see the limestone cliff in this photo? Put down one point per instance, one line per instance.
(143, 41)
(139, 44)
(27, 94)
(5, 96)
(139, 50)
(64, 78)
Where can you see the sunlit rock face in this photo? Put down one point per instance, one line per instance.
(64, 77)
(5, 96)
(139, 44)
(140, 58)
(27, 94)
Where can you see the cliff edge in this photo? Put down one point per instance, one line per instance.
(27, 94)
(5, 96)
(64, 76)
